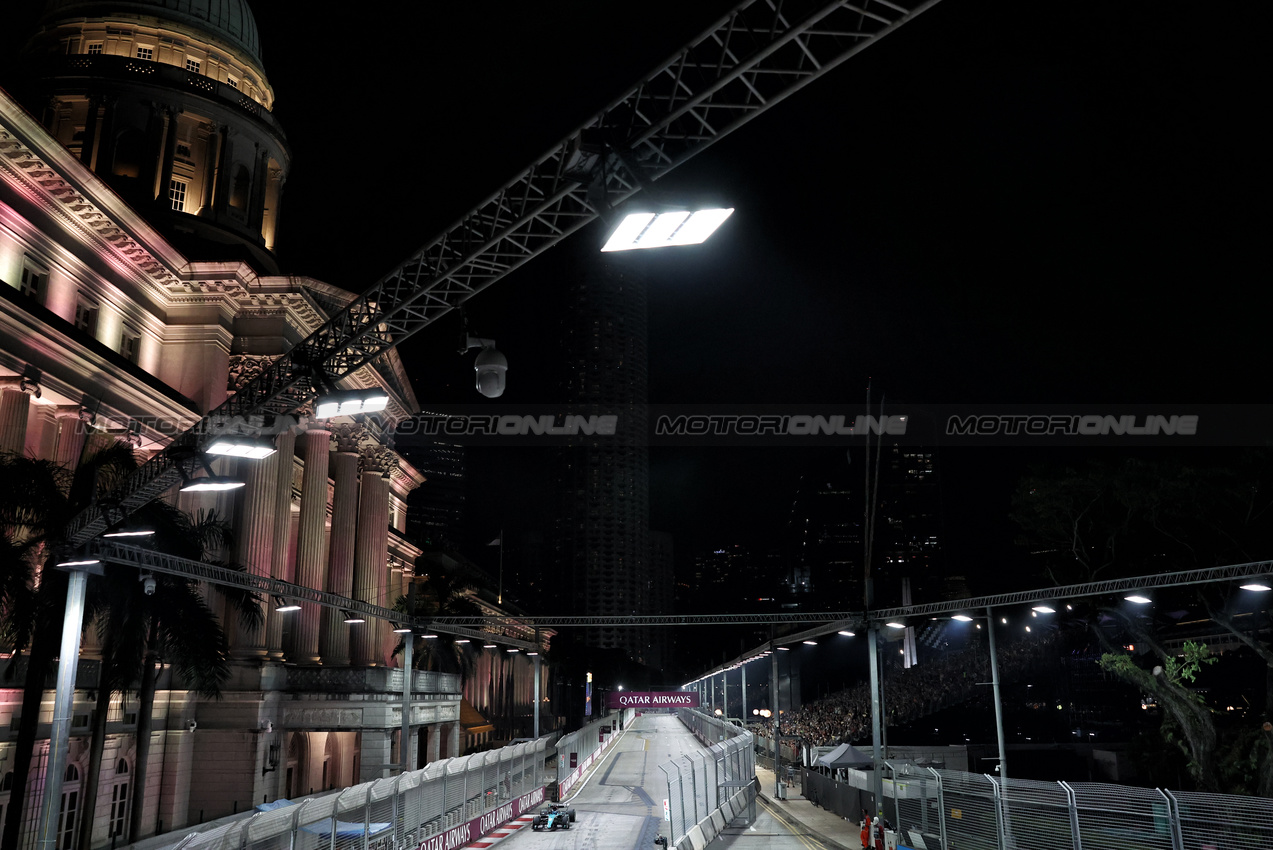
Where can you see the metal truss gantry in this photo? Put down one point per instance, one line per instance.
(755, 56)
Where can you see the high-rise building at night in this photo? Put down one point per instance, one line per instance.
(435, 513)
(602, 546)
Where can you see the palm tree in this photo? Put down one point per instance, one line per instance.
(441, 594)
(174, 624)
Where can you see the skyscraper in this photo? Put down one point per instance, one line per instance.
(602, 535)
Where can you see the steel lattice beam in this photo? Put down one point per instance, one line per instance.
(755, 56)
(1209, 575)
(158, 562)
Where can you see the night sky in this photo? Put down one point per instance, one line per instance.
(1030, 202)
(1036, 202)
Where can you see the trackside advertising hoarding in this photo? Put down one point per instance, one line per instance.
(652, 699)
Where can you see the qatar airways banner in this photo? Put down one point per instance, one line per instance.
(653, 699)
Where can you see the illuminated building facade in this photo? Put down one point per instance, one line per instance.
(141, 179)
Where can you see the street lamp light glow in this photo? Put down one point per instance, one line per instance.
(658, 230)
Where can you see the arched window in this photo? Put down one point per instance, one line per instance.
(6, 782)
(68, 814)
(119, 801)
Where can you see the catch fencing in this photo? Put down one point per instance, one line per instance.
(967, 811)
(719, 779)
(577, 751)
(448, 803)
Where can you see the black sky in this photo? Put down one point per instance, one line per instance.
(1031, 202)
(1002, 202)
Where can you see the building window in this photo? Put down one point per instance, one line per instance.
(86, 319)
(119, 801)
(192, 65)
(33, 280)
(232, 82)
(95, 49)
(129, 342)
(147, 53)
(69, 809)
(177, 194)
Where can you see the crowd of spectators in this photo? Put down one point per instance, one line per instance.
(944, 680)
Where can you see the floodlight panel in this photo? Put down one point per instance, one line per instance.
(214, 484)
(1257, 586)
(661, 229)
(625, 235)
(326, 409)
(247, 447)
(1138, 599)
(963, 618)
(138, 533)
(1044, 609)
(700, 225)
(374, 403)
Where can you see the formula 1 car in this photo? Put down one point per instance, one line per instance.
(554, 816)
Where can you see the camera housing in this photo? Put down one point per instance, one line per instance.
(148, 584)
(490, 367)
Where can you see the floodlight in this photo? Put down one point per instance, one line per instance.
(350, 403)
(784, 649)
(238, 445)
(489, 646)
(811, 643)
(536, 653)
(211, 484)
(1043, 609)
(1138, 599)
(1259, 585)
(662, 229)
(400, 629)
(428, 637)
(463, 640)
(513, 649)
(79, 562)
(896, 625)
(351, 618)
(963, 618)
(122, 532)
(282, 606)
(845, 632)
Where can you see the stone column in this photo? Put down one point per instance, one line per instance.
(281, 564)
(256, 519)
(15, 398)
(377, 753)
(311, 548)
(453, 739)
(42, 440)
(89, 146)
(334, 641)
(169, 158)
(370, 553)
(72, 429)
(435, 742)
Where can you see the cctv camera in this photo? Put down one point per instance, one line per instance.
(267, 726)
(148, 584)
(490, 366)
(191, 725)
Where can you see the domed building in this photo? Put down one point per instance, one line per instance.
(141, 176)
(167, 101)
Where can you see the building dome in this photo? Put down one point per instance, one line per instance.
(229, 21)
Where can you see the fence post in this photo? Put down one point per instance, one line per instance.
(1173, 814)
(941, 807)
(1072, 804)
(1001, 838)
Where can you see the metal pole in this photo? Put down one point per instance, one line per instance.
(1003, 750)
(404, 751)
(773, 699)
(537, 684)
(877, 775)
(63, 705)
(724, 693)
(744, 686)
